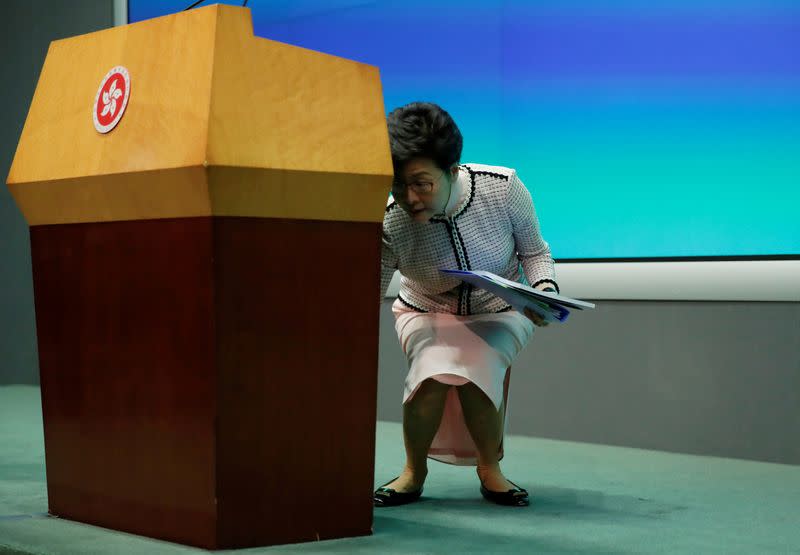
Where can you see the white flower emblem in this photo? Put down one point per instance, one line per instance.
(110, 99)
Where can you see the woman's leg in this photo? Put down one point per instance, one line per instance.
(421, 418)
(485, 425)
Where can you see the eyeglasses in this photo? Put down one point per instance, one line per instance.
(421, 187)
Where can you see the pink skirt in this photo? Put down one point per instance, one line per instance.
(456, 350)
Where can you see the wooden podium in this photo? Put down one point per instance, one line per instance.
(205, 277)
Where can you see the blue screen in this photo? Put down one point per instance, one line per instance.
(642, 129)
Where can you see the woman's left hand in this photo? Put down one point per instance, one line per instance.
(535, 318)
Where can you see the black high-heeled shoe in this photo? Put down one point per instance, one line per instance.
(387, 497)
(516, 497)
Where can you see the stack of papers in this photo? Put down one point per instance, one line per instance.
(550, 306)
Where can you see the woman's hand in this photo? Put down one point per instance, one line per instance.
(535, 318)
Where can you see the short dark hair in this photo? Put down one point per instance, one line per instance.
(423, 129)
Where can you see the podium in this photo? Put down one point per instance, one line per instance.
(205, 278)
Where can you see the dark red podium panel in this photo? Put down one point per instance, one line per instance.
(203, 379)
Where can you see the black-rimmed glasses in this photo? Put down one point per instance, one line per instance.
(420, 187)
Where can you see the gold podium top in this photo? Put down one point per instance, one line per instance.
(218, 122)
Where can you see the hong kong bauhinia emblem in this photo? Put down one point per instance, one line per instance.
(111, 99)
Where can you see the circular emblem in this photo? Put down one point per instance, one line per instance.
(111, 99)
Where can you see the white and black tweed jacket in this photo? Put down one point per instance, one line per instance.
(490, 225)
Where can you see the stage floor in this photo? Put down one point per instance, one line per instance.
(586, 499)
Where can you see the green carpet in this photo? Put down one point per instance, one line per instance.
(586, 499)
